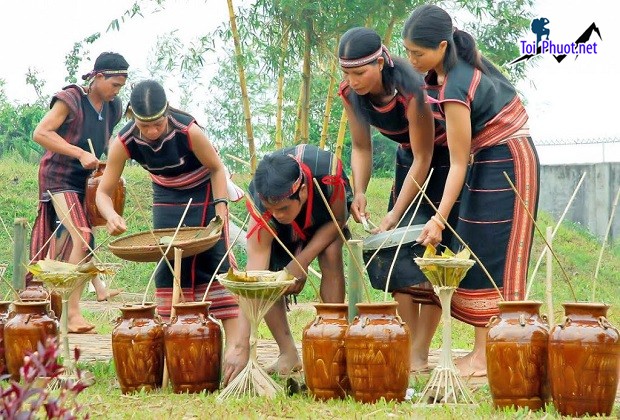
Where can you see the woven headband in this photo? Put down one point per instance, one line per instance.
(362, 61)
(93, 73)
(150, 118)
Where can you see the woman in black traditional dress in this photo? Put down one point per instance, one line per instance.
(183, 164)
(486, 134)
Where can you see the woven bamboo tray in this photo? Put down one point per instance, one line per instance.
(146, 247)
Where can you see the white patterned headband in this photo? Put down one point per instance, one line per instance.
(362, 61)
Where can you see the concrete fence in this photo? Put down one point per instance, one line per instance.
(593, 203)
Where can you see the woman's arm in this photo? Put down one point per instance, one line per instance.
(45, 134)
(458, 131)
(117, 156)
(421, 137)
(361, 161)
(207, 155)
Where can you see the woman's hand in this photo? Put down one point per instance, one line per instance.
(388, 222)
(431, 234)
(116, 225)
(358, 207)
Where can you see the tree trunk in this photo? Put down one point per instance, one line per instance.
(305, 105)
(329, 100)
(283, 49)
(244, 91)
(297, 136)
(389, 31)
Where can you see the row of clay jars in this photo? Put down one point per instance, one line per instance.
(26, 326)
(578, 360)
(192, 344)
(368, 359)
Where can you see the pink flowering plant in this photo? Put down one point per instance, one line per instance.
(32, 397)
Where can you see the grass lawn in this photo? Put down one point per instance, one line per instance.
(576, 248)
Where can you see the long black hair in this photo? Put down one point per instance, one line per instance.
(275, 176)
(361, 42)
(428, 25)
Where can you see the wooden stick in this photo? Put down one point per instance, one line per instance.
(600, 255)
(402, 239)
(235, 158)
(549, 282)
(344, 239)
(204, 297)
(541, 234)
(473, 254)
(275, 236)
(177, 291)
(555, 230)
(74, 227)
(148, 223)
(176, 231)
(6, 230)
(51, 236)
(399, 222)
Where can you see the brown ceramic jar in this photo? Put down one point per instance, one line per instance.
(28, 324)
(4, 314)
(138, 348)
(583, 361)
(118, 198)
(377, 347)
(516, 349)
(193, 344)
(323, 352)
(36, 291)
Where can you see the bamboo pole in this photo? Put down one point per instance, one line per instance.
(20, 250)
(328, 101)
(244, 90)
(549, 282)
(297, 136)
(356, 281)
(356, 261)
(342, 129)
(387, 38)
(600, 255)
(176, 294)
(541, 234)
(305, 114)
(280, 100)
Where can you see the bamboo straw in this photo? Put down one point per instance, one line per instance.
(8, 283)
(555, 230)
(344, 239)
(402, 239)
(541, 234)
(6, 230)
(176, 231)
(52, 235)
(177, 291)
(230, 247)
(600, 255)
(473, 254)
(75, 227)
(549, 282)
(275, 236)
(400, 221)
(236, 159)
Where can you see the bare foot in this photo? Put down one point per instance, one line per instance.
(106, 294)
(285, 365)
(418, 364)
(78, 324)
(472, 365)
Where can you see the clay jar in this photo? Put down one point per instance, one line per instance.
(193, 344)
(516, 349)
(377, 347)
(583, 361)
(4, 313)
(323, 351)
(138, 348)
(27, 325)
(36, 291)
(118, 198)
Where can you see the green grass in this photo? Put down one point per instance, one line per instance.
(576, 248)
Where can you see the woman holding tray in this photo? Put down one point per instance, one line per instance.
(183, 164)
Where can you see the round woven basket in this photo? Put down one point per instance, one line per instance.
(146, 247)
